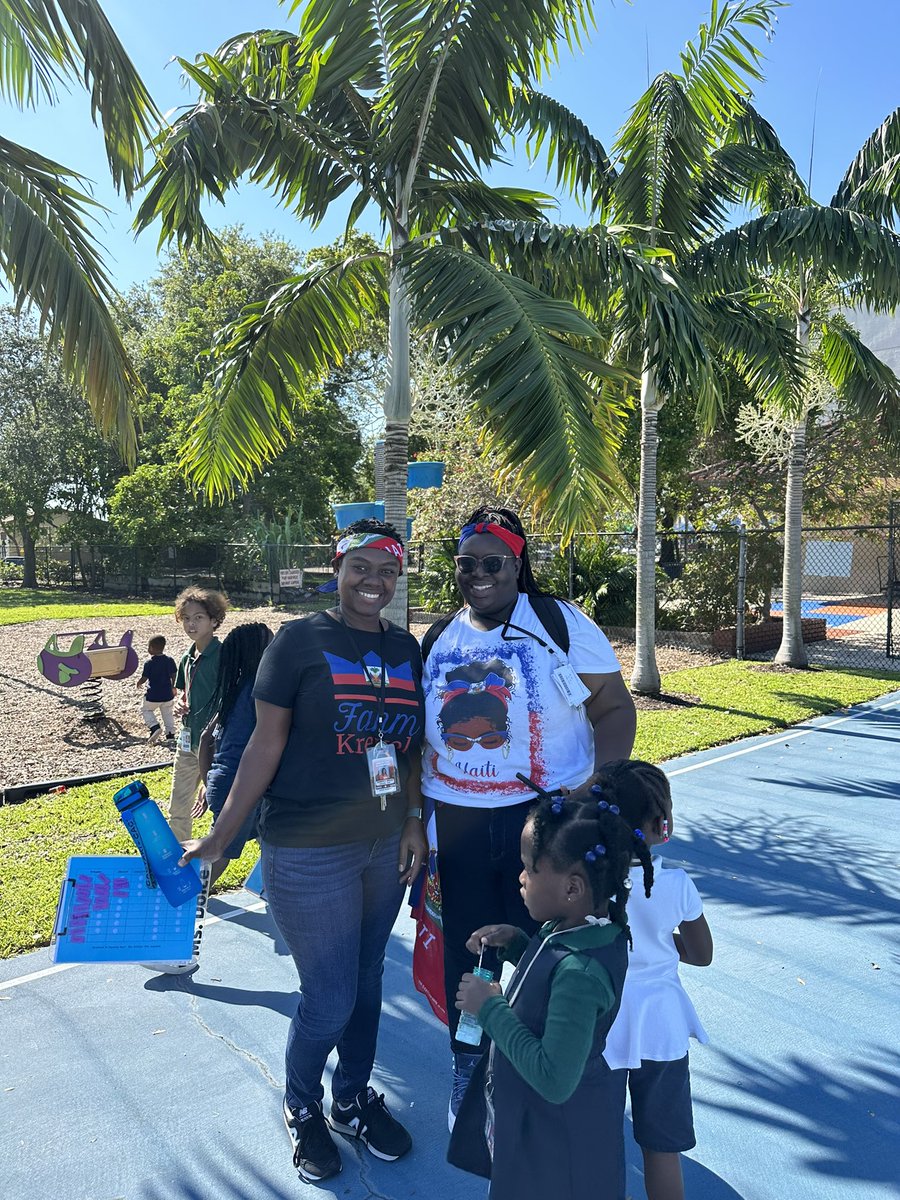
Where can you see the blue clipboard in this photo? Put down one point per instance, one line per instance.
(107, 913)
(254, 881)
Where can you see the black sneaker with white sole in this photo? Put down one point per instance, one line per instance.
(368, 1121)
(315, 1154)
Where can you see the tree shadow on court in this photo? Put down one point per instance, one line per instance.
(793, 865)
(841, 1119)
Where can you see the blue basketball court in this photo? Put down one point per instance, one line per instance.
(121, 1085)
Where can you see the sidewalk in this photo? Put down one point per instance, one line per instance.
(119, 1085)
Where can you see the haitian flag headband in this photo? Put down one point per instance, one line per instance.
(369, 541)
(515, 543)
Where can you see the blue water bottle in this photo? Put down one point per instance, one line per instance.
(468, 1030)
(159, 847)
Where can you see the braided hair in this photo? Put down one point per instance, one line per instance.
(591, 834)
(638, 789)
(507, 519)
(239, 660)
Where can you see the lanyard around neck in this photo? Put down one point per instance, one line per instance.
(382, 691)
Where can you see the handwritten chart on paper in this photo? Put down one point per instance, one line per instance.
(107, 913)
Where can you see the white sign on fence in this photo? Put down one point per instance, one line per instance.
(292, 577)
(834, 559)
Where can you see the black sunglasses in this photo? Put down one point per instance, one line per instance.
(492, 563)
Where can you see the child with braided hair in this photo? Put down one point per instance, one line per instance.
(648, 1042)
(543, 1115)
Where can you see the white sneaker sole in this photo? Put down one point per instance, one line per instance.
(171, 968)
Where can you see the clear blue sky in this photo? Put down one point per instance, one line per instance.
(848, 52)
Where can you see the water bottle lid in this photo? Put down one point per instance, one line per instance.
(130, 794)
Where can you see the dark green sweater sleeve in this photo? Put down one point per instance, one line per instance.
(580, 992)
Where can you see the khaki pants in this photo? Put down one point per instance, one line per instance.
(185, 781)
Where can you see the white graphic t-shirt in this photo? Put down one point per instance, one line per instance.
(492, 709)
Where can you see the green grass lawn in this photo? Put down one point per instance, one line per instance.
(736, 699)
(19, 605)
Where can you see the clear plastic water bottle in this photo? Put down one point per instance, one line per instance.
(468, 1030)
(159, 847)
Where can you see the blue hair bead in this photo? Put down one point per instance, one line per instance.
(597, 852)
(639, 834)
(602, 806)
(556, 806)
(597, 789)
(614, 808)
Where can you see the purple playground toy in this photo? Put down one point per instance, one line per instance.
(80, 664)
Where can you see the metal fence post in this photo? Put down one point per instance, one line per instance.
(741, 594)
(270, 559)
(571, 569)
(892, 583)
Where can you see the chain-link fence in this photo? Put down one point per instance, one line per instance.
(716, 587)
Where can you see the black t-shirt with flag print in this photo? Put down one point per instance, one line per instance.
(321, 794)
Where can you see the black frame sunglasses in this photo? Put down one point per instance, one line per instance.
(492, 564)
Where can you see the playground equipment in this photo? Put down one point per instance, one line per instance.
(85, 665)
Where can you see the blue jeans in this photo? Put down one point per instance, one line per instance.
(335, 907)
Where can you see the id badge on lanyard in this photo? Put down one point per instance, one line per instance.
(383, 771)
(184, 738)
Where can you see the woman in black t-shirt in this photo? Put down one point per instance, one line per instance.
(336, 758)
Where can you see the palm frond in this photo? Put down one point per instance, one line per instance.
(47, 42)
(661, 148)
(51, 260)
(835, 244)
(263, 362)
(581, 163)
(760, 342)
(437, 203)
(717, 67)
(534, 366)
(871, 184)
(861, 378)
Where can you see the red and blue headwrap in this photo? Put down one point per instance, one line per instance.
(515, 543)
(369, 541)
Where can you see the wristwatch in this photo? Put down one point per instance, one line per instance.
(414, 812)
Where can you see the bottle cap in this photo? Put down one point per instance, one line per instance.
(130, 793)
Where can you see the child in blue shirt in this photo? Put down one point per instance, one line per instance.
(158, 676)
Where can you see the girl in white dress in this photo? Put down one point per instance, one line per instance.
(650, 1036)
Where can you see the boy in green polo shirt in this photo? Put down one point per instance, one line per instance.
(200, 612)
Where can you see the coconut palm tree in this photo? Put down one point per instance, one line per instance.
(396, 107)
(49, 252)
(690, 149)
(812, 253)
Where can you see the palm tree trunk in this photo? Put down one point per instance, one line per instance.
(397, 409)
(792, 652)
(645, 677)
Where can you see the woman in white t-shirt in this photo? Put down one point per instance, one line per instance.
(504, 698)
(649, 1038)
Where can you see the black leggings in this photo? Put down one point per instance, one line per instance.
(480, 860)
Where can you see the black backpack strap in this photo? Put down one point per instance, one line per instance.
(548, 611)
(434, 632)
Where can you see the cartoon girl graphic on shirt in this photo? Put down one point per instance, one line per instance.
(474, 708)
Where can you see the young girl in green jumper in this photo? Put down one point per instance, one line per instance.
(544, 1114)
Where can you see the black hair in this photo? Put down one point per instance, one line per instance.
(370, 525)
(638, 789)
(239, 660)
(158, 641)
(507, 519)
(589, 834)
(477, 703)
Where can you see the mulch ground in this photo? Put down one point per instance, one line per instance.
(46, 731)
